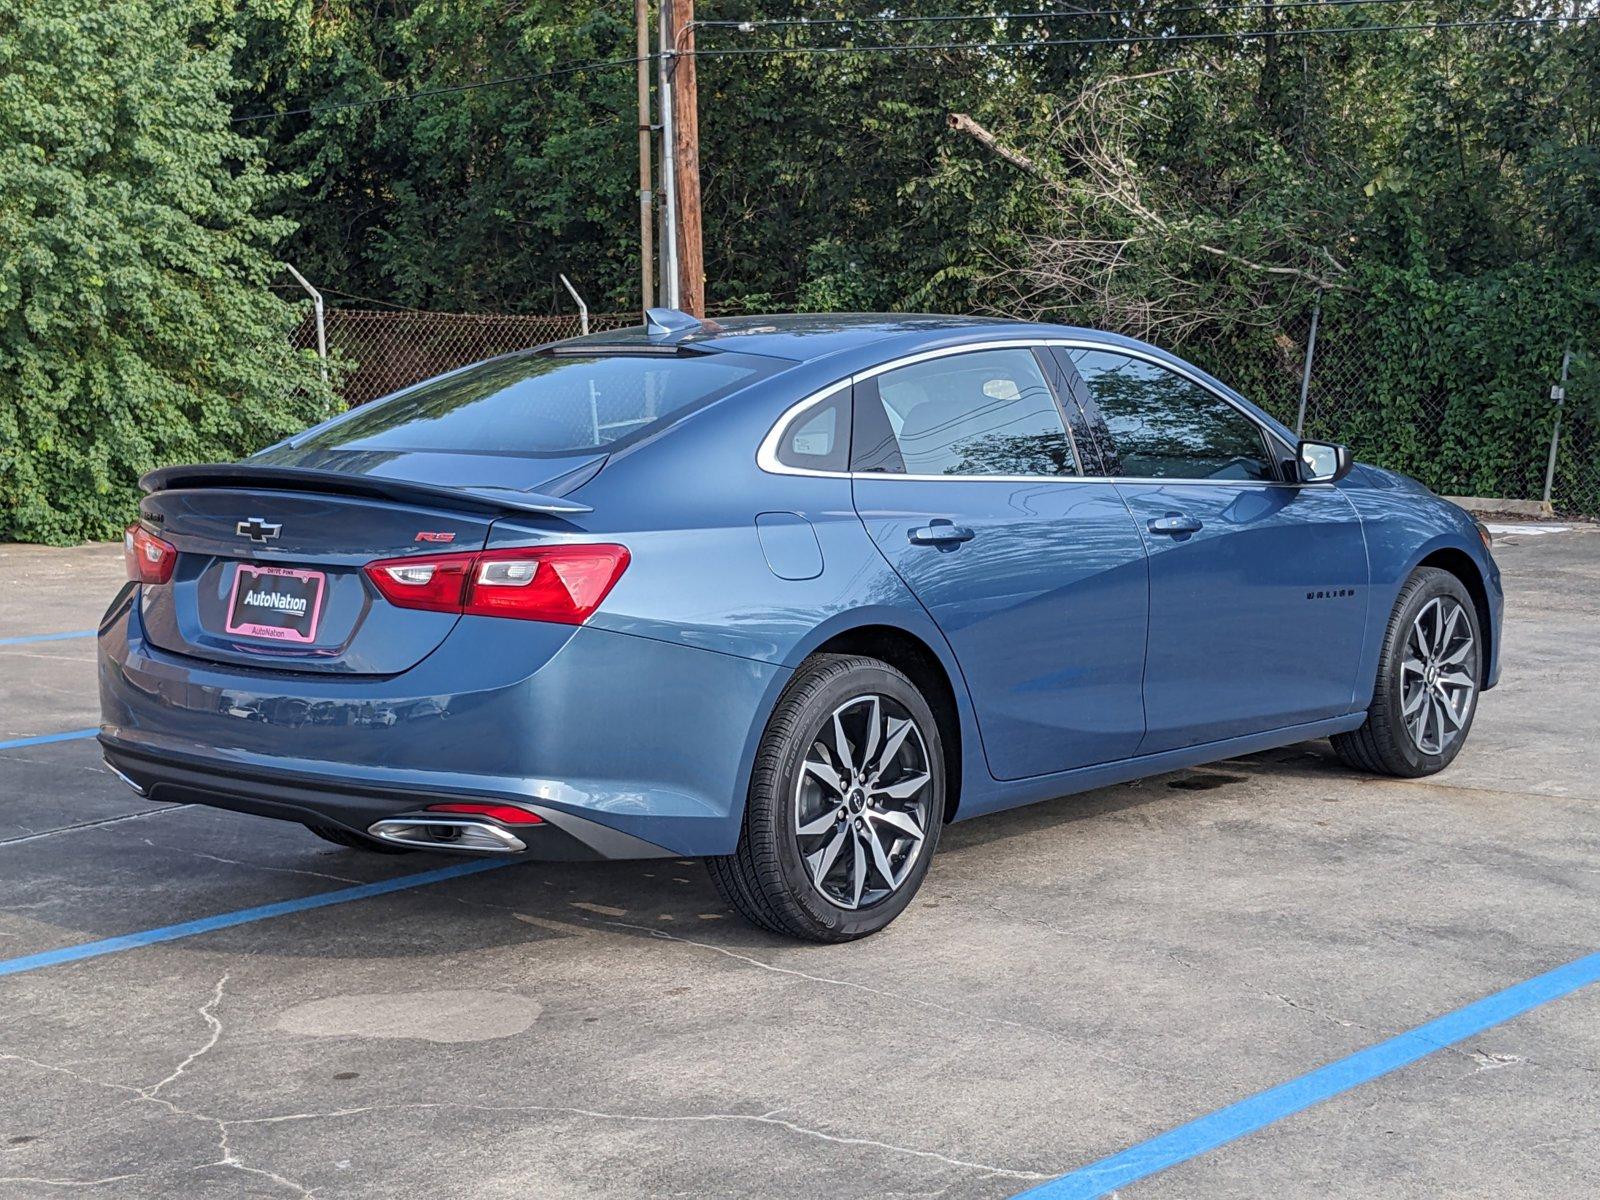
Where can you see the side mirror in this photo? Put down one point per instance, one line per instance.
(1323, 462)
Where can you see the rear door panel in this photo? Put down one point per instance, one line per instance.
(1044, 608)
(1045, 604)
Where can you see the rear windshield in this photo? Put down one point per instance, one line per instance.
(541, 404)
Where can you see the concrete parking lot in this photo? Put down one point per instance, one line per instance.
(1076, 978)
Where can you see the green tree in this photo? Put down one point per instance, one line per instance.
(136, 324)
(829, 182)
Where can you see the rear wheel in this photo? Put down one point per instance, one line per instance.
(1428, 681)
(354, 841)
(845, 806)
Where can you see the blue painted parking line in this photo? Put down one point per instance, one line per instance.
(47, 637)
(243, 916)
(44, 739)
(1263, 1109)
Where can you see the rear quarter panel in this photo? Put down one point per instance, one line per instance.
(687, 508)
(700, 576)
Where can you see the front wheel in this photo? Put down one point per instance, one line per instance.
(845, 805)
(1428, 679)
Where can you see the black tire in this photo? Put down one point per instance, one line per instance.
(355, 841)
(1386, 744)
(768, 879)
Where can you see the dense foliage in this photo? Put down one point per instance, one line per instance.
(1439, 188)
(136, 324)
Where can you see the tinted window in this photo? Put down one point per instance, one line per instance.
(1163, 426)
(985, 413)
(533, 404)
(819, 438)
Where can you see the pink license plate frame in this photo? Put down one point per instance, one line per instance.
(276, 633)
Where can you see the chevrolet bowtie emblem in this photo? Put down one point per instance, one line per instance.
(258, 530)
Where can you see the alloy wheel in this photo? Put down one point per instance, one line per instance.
(862, 800)
(1436, 675)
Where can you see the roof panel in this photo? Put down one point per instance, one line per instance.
(796, 336)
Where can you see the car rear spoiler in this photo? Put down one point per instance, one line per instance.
(341, 483)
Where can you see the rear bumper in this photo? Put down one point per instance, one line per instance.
(561, 837)
(628, 746)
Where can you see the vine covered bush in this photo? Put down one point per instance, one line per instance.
(136, 324)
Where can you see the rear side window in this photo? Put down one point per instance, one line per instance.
(989, 412)
(819, 438)
(541, 404)
(1164, 426)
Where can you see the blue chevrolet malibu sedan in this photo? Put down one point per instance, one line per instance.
(784, 593)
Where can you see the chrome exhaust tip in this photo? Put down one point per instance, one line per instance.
(447, 833)
(136, 787)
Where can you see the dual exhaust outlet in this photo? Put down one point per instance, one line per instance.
(478, 828)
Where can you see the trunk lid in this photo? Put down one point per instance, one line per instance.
(269, 571)
(326, 540)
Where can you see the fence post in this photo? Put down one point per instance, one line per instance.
(1559, 395)
(583, 309)
(322, 333)
(1305, 376)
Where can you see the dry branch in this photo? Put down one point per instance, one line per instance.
(1127, 239)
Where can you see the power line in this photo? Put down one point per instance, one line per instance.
(530, 77)
(923, 47)
(1131, 39)
(1157, 10)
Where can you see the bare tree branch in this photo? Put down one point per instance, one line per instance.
(962, 123)
(1128, 238)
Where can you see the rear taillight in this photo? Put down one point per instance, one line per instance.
(563, 584)
(148, 558)
(436, 582)
(506, 814)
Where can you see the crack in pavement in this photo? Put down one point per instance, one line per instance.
(97, 768)
(902, 998)
(69, 1182)
(1484, 1060)
(151, 1095)
(208, 1012)
(253, 866)
(144, 812)
(228, 1158)
(767, 1118)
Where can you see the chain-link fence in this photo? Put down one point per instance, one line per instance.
(1576, 476)
(1452, 441)
(383, 351)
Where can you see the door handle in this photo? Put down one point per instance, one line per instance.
(940, 532)
(1175, 523)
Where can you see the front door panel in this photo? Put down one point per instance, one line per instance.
(1044, 607)
(1256, 616)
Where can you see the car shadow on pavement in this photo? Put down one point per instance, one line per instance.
(211, 862)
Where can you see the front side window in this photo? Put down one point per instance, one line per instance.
(543, 404)
(989, 412)
(1164, 426)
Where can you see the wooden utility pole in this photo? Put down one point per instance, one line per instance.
(647, 287)
(686, 159)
